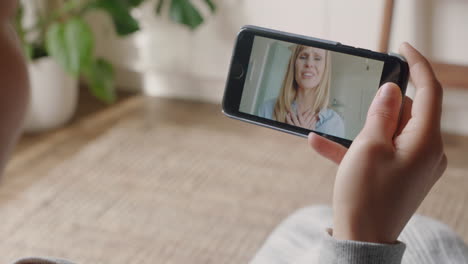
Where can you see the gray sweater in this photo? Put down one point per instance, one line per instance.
(304, 238)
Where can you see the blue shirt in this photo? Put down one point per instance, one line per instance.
(330, 122)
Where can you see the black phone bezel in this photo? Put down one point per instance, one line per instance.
(395, 70)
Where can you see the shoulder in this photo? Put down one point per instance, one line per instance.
(329, 114)
(330, 122)
(15, 86)
(7, 8)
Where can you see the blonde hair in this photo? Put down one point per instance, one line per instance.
(288, 90)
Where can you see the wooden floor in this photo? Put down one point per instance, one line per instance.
(170, 181)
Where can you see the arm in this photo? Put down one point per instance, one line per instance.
(390, 167)
(13, 83)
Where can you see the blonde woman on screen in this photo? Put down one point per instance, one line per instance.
(305, 93)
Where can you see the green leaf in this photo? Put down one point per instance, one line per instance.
(120, 12)
(100, 77)
(56, 46)
(80, 43)
(183, 12)
(211, 5)
(71, 44)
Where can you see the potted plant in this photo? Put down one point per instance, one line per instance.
(59, 44)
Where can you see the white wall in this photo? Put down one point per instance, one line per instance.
(167, 59)
(440, 30)
(177, 62)
(436, 27)
(168, 52)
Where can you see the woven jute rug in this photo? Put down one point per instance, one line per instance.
(167, 181)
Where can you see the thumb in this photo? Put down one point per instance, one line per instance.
(383, 114)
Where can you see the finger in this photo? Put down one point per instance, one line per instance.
(301, 118)
(327, 148)
(294, 119)
(288, 119)
(310, 117)
(313, 122)
(427, 105)
(405, 115)
(382, 118)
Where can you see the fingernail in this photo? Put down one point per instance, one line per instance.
(386, 91)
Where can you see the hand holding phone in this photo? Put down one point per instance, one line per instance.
(298, 84)
(391, 166)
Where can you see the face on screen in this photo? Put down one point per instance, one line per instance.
(324, 91)
(309, 67)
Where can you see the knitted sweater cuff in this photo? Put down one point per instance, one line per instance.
(335, 251)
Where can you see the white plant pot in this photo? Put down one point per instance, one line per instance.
(54, 96)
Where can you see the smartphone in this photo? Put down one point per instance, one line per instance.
(299, 84)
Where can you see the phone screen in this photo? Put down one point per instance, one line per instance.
(324, 91)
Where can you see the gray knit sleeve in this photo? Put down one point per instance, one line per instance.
(335, 251)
